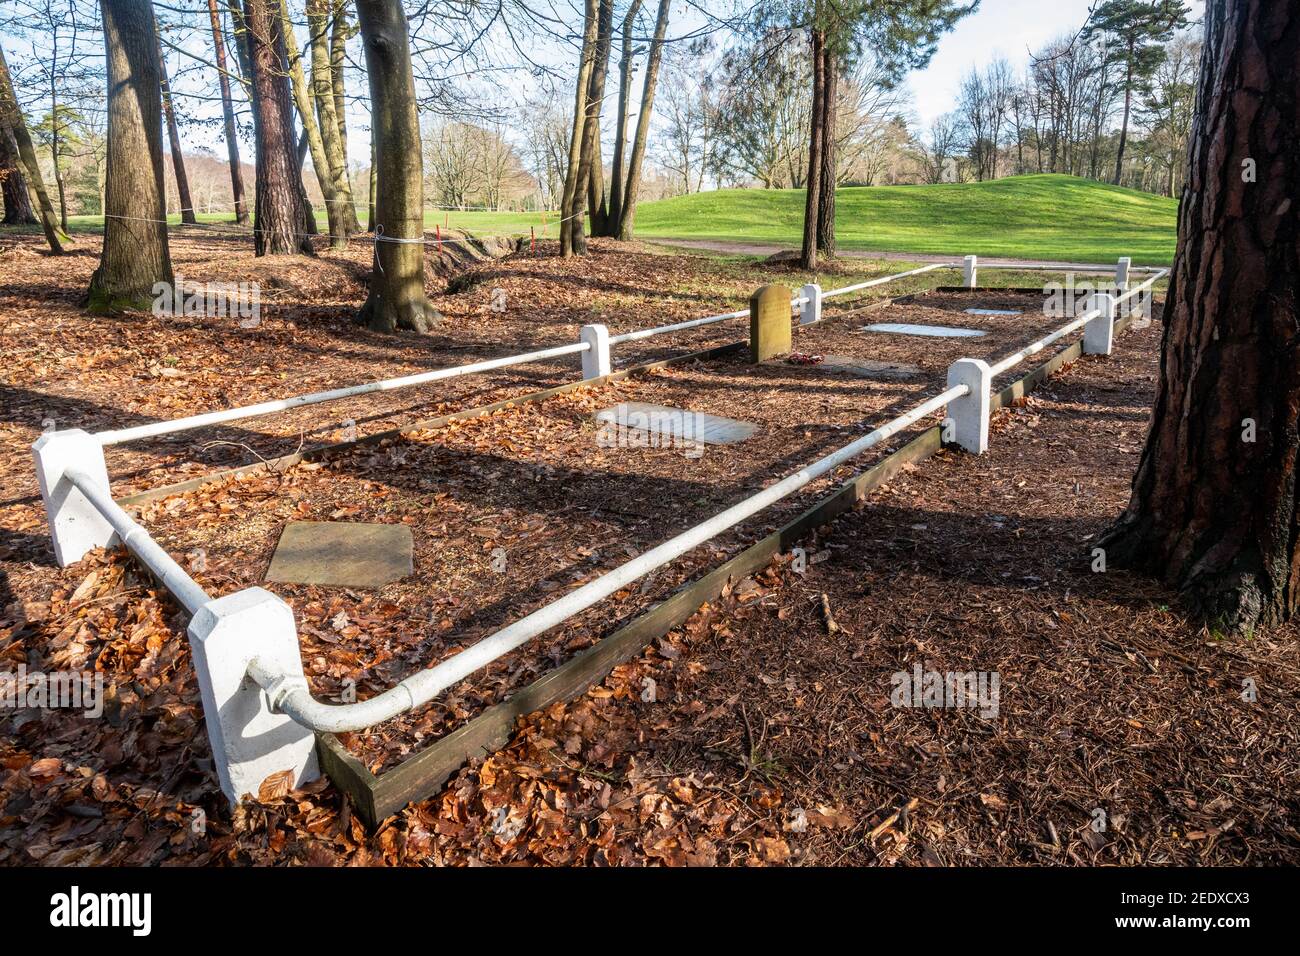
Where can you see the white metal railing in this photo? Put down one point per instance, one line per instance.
(593, 366)
(120, 435)
(259, 710)
(138, 542)
(422, 687)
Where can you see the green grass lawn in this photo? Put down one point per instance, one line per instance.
(1022, 217)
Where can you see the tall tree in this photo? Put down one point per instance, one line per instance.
(17, 201)
(11, 117)
(593, 166)
(135, 255)
(311, 134)
(627, 212)
(573, 240)
(279, 221)
(174, 139)
(228, 115)
(1139, 29)
(1214, 504)
(397, 298)
(899, 34)
(626, 62)
(322, 88)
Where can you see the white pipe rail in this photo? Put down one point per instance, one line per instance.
(1011, 361)
(139, 543)
(1144, 286)
(881, 281)
(678, 326)
(153, 429)
(296, 701)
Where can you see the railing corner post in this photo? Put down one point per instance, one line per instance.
(968, 416)
(249, 740)
(1099, 331)
(595, 360)
(811, 309)
(970, 273)
(76, 526)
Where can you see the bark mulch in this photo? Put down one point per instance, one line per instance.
(761, 731)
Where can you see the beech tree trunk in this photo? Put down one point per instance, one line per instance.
(829, 174)
(573, 240)
(228, 115)
(594, 171)
(816, 131)
(627, 215)
(174, 138)
(279, 222)
(11, 117)
(322, 89)
(615, 212)
(1214, 509)
(397, 299)
(17, 202)
(340, 31)
(135, 254)
(311, 134)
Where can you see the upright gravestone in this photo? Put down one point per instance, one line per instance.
(769, 323)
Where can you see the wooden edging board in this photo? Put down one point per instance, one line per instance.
(377, 797)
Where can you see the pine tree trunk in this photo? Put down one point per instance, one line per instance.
(397, 298)
(816, 132)
(1123, 128)
(17, 201)
(830, 174)
(627, 216)
(228, 116)
(615, 212)
(322, 88)
(573, 240)
(1214, 504)
(174, 138)
(135, 255)
(11, 116)
(279, 217)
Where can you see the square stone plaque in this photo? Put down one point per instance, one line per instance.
(677, 424)
(867, 368)
(342, 554)
(929, 331)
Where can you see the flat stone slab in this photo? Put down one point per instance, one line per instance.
(679, 424)
(866, 368)
(346, 554)
(994, 312)
(931, 331)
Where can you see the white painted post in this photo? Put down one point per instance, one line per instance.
(969, 415)
(1099, 332)
(810, 311)
(595, 361)
(1122, 271)
(75, 524)
(250, 741)
(971, 271)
